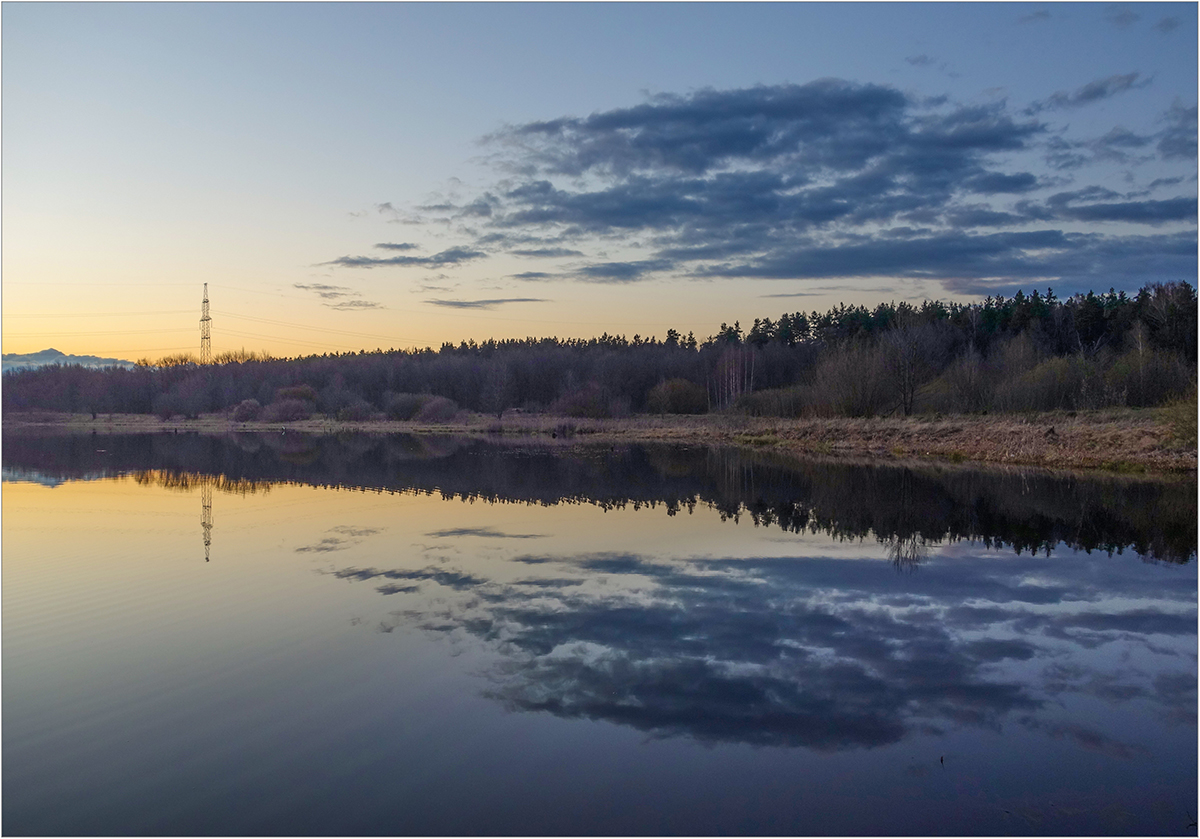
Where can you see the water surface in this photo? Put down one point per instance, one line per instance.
(395, 635)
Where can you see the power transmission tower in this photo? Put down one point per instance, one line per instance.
(205, 330)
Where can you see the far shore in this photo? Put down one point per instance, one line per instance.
(1122, 440)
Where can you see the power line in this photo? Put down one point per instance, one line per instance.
(97, 332)
(104, 284)
(315, 328)
(96, 314)
(301, 343)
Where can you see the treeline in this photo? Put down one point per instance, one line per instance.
(1027, 352)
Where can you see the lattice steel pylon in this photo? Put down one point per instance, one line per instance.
(206, 523)
(205, 330)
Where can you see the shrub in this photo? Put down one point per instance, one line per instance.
(1056, 383)
(166, 405)
(588, 401)
(304, 392)
(333, 400)
(357, 411)
(967, 386)
(853, 381)
(437, 409)
(677, 396)
(247, 410)
(1149, 377)
(287, 410)
(404, 406)
(1181, 417)
(775, 402)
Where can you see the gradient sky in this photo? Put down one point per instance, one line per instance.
(348, 176)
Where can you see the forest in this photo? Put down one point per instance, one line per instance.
(1030, 352)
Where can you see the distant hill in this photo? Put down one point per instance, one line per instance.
(29, 361)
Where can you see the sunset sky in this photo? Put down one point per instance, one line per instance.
(349, 176)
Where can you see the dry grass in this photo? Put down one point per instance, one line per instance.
(1115, 439)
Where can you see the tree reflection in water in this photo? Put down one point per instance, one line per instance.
(1027, 510)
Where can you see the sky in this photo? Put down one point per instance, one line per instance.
(351, 176)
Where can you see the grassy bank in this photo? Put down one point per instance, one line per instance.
(1124, 440)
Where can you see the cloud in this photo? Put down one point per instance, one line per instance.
(815, 653)
(1122, 18)
(1094, 741)
(1143, 212)
(1167, 24)
(622, 272)
(1091, 92)
(919, 60)
(339, 294)
(329, 292)
(1178, 140)
(458, 580)
(450, 256)
(398, 246)
(356, 304)
(1034, 17)
(832, 179)
(482, 532)
(546, 253)
(484, 304)
(346, 537)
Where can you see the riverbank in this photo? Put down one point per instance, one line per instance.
(1122, 440)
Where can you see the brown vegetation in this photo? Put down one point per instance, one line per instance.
(1148, 440)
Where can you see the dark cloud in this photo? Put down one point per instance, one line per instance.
(706, 130)
(1167, 24)
(483, 304)
(450, 256)
(1178, 140)
(398, 246)
(1142, 212)
(338, 293)
(356, 531)
(346, 537)
(1094, 741)
(484, 532)
(623, 272)
(329, 292)
(546, 253)
(1122, 18)
(1090, 92)
(356, 304)
(828, 179)
(458, 580)
(326, 545)
(991, 183)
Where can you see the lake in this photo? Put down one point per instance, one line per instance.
(288, 634)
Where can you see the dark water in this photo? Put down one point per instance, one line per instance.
(282, 634)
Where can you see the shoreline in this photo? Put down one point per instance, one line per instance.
(1116, 440)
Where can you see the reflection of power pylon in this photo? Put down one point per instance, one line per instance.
(206, 515)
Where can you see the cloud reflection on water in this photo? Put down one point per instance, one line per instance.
(819, 653)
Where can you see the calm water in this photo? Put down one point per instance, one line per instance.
(370, 635)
